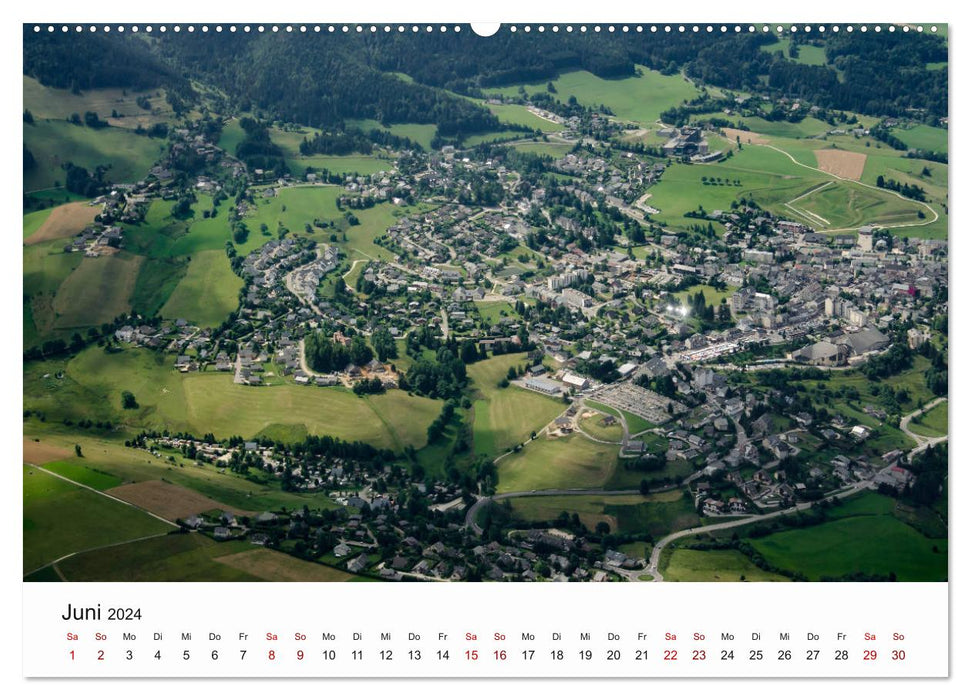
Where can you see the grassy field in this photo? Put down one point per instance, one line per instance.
(232, 135)
(54, 103)
(713, 297)
(83, 474)
(933, 423)
(56, 142)
(92, 383)
(194, 557)
(208, 292)
(635, 424)
(494, 311)
(189, 557)
(60, 518)
(593, 425)
(518, 114)
(923, 137)
(109, 456)
(97, 291)
(713, 565)
(833, 549)
(294, 207)
(506, 417)
(571, 462)
(655, 515)
(783, 187)
(638, 99)
(543, 148)
(809, 54)
(45, 267)
(64, 221)
(419, 133)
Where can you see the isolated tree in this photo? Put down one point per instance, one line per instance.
(128, 400)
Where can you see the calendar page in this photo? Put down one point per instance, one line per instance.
(449, 350)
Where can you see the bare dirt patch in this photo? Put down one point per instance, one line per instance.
(64, 221)
(270, 565)
(845, 164)
(745, 136)
(41, 453)
(168, 500)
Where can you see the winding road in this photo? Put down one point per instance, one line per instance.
(923, 442)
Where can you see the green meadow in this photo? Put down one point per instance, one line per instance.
(421, 134)
(808, 54)
(933, 423)
(832, 549)
(90, 385)
(55, 143)
(639, 99)
(208, 292)
(923, 137)
(570, 462)
(655, 515)
(60, 518)
(712, 565)
(107, 460)
(506, 417)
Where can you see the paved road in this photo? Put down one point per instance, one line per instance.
(861, 184)
(652, 567)
(923, 442)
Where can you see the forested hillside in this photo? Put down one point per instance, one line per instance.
(315, 79)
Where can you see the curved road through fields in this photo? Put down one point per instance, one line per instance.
(923, 442)
(652, 566)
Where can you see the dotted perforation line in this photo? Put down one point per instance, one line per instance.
(527, 28)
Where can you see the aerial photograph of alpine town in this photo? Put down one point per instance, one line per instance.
(382, 304)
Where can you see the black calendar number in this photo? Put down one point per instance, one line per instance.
(728, 654)
(785, 655)
(812, 654)
(842, 655)
(755, 655)
(124, 613)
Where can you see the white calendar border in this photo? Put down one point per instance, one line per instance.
(508, 11)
